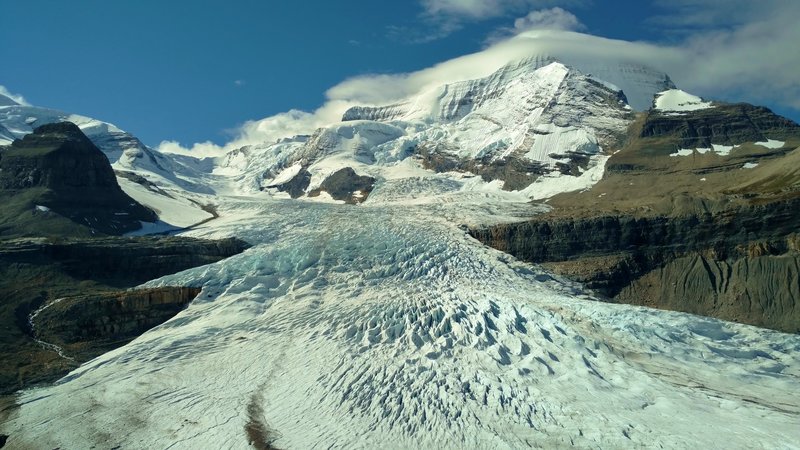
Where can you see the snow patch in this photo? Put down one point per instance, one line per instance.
(676, 100)
(771, 144)
(683, 152)
(171, 209)
(286, 175)
(723, 150)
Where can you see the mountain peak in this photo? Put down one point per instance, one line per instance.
(55, 135)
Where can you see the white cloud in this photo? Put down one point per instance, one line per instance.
(693, 14)
(548, 19)
(570, 47)
(542, 19)
(735, 49)
(16, 97)
(751, 56)
(440, 18)
(485, 9)
(753, 60)
(269, 129)
(198, 150)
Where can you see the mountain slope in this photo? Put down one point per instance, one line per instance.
(698, 212)
(59, 171)
(532, 120)
(170, 185)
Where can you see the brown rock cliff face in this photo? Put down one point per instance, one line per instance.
(741, 266)
(138, 260)
(94, 315)
(725, 124)
(85, 325)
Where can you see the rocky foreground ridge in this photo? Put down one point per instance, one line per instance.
(65, 271)
(57, 173)
(72, 294)
(699, 211)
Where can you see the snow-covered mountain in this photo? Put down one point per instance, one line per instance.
(386, 325)
(530, 127)
(531, 121)
(172, 180)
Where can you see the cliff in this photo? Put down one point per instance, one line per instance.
(96, 313)
(85, 326)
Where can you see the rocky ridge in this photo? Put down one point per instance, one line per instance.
(79, 288)
(711, 229)
(69, 176)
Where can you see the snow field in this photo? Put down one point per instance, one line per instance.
(676, 100)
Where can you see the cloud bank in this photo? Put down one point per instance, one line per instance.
(16, 97)
(743, 53)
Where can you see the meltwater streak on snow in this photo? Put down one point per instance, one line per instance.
(357, 327)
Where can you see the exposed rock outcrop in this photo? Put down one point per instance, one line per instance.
(122, 261)
(96, 316)
(85, 326)
(724, 124)
(346, 185)
(740, 266)
(72, 178)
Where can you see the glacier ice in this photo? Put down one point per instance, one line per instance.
(387, 325)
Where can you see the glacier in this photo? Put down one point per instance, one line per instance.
(388, 325)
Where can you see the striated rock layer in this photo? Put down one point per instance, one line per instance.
(62, 304)
(86, 326)
(740, 266)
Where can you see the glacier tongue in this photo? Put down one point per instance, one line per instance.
(388, 326)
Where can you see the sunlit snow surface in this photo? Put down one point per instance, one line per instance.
(676, 100)
(385, 325)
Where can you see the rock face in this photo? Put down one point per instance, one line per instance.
(742, 265)
(85, 325)
(724, 124)
(97, 315)
(74, 176)
(125, 261)
(345, 184)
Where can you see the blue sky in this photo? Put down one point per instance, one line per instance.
(193, 71)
